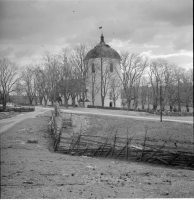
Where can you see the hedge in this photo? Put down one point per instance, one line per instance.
(164, 113)
(19, 109)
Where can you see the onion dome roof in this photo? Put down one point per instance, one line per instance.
(102, 50)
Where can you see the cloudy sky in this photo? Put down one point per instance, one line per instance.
(158, 28)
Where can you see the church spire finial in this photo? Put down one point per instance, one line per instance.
(102, 39)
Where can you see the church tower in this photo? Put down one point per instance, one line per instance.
(103, 83)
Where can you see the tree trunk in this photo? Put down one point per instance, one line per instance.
(102, 101)
(128, 104)
(187, 108)
(179, 107)
(93, 98)
(154, 107)
(142, 103)
(148, 105)
(73, 101)
(135, 105)
(35, 100)
(66, 102)
(179, 103)
(30, 100)
(83, 97)
(40, 100)
(45, 102)
(4, 104)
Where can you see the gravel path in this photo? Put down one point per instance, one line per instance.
(6, 124)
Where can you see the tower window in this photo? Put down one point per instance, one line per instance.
(93, 68)
(111, 67)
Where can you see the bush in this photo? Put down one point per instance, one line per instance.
(116, 108)
(168, 113)
(157, 112)
(106, 107)
(24, 109)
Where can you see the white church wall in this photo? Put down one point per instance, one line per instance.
(105, 66)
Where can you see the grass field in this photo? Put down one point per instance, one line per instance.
(180, 133)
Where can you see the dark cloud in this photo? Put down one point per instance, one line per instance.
(49, 20)
(60, 23)
(175, 12)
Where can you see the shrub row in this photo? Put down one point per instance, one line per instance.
(63, 105)
(24, 109)
(19, 109)
(168, 113)
(108, 108)
(165, 113)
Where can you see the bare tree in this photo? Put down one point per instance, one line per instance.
(187, 88)
(154, 80)
(52, 75)
(132, 68)
(19, 97)
(66, 75)
(157, 80)
(115, 89)
(178, 76)
(105, 75)
(144, 91)
(170, 89)
(8, 79)
(28, 82)
(135, 91)
(190, 72)
(75, 89)
(81, 67)
(41, 83)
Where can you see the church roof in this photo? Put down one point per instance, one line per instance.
(102, 50)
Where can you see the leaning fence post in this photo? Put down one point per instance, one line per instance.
(74, 145)
(55, 127)
(97, 150)
(114, 144)
(78, 142)
(156, 151)
(57, 141)
(144, 143)
(103, 146)
(127, 145)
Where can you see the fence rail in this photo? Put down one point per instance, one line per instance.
(125, 148)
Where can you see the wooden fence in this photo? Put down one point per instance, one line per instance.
(150, 150)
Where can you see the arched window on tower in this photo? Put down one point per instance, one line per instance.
(111, 67)
(93, 68)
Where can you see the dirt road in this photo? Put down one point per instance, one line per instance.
(6, 124)
(33, 171)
